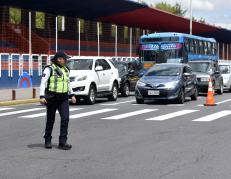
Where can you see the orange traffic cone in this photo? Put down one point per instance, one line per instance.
(210, 96)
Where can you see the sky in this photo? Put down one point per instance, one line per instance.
(215, 12)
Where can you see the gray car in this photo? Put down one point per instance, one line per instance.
(205, 70)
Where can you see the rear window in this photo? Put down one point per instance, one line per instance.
(225, 69)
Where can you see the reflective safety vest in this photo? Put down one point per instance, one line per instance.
(59, 79)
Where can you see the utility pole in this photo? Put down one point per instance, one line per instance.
(191, 17)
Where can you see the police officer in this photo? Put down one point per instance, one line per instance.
(54, 93)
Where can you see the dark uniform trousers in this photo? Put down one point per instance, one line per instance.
(56, 102)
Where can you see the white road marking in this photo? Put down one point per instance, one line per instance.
(213, 116)
(225, 101)
(20, 111)
(5, 109)
(125, 115)
(44, 114)
(91, 113)
(176, 105)
(171, 115)
(114, 104)
(221, 102)
(200, 105)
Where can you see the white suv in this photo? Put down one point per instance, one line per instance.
(92, 77)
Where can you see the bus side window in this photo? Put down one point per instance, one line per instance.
(196, 46)
(209, 48)
(187, 44)
(192, 46)
(205, 48)
(201, 46)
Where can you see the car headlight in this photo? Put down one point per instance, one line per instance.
(205, 79)
(82, 78)
(141, 84)
(171, 85)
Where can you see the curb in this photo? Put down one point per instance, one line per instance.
(17, 102)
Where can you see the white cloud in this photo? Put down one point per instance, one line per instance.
(224, 25)
(202, 5)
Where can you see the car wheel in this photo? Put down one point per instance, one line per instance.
(220, 90)
(195, 95)
(125, 90)
(91, 95)
(181, 97)
(114, 93)
(139, 101)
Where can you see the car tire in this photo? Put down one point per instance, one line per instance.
(90, 99)
(139, 101)
(114, 93)
(125, 91)
(221, 89)
(195, 95)
(181, 97)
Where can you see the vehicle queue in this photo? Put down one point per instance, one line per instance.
(171, 66)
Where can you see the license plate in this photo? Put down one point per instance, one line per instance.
(153, 92)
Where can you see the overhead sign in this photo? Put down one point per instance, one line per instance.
(166, 46)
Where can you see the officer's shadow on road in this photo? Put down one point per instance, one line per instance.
(41, 145)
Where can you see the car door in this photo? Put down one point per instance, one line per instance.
(133, 75)
(104, 75)
(217, 75)
(189, 80)
(100, 77)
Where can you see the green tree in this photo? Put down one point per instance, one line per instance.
(174, 9)
(15, 15)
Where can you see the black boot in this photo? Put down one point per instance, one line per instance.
(48, 145)
(65, 146)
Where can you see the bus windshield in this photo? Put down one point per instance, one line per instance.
(161, 56)
(161, 52)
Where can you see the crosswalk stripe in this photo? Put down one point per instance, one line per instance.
(129, 114)
(43, 114)
(92, 113)
(171, 115)
(5, 109)
(114, 104)
(20, 111)
(213, 116)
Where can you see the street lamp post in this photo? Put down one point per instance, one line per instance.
(190, 17)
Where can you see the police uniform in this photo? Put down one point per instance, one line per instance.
(55, 88)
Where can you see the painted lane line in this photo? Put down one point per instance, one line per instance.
(20, 111)
(171, 115)
(91, 113)
(125, 115)
(44, 114)
(5, 109)
(114, 104)
(176, 105)
(221, 102)
(213, 116)
(225, 101)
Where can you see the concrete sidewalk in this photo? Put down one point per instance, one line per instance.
(19, 96)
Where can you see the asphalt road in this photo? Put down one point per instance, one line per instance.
(120, 140)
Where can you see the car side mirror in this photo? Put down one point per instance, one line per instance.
(141, 75)
(217, 73)
(131, 71)
(99, 68)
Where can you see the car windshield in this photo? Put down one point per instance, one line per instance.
(164, 71)
(225, 69)
(122, 67)
(203, 67)
(80, 64)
